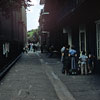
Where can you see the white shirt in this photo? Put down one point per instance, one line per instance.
(62, 49)
(83, 59)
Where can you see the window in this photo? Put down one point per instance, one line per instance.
(82, 38)
(98, 40)
(82, 41)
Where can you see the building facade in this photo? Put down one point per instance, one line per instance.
(12, 34)
(74, 22)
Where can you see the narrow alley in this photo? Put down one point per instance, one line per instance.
(36, 77)
(49, 50)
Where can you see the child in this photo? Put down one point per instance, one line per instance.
(90, 64)
(83, 60)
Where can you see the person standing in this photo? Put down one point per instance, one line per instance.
(66, 60)
(90, 64)
(83, 59)
(73, 55)
(62, 51)
(51, 49)
(34, 47)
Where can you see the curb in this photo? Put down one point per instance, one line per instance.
(9, 66)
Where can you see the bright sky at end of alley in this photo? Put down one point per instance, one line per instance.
(33, 15)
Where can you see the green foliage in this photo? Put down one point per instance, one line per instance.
(9, 5)
(33, 36)
(32, 32)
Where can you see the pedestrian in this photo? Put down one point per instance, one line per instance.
(62, 51)
(29, 46)
(25, 49)
(83, 60)
(90, 64)
(94, 64)
(73, 55)
(34, 47)
(51, 50)
(66, 61)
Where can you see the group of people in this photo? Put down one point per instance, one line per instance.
(30, 47)
(72, 64)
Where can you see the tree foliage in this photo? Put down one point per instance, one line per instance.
(9, 5)
(33, 36)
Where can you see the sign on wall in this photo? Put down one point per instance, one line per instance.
(6, 49)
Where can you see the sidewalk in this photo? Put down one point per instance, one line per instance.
(82, 87)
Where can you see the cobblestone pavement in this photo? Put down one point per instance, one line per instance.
(27, 81)
(82, 87)
(37, 77)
